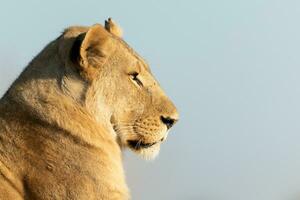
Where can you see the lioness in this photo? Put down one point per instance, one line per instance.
(66, 119)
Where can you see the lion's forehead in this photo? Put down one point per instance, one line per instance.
(140, 60)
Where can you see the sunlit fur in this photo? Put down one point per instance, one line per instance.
(66, 119)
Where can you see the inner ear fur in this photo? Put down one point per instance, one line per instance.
(90, 50)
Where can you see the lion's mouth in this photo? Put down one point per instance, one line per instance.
(138, 144)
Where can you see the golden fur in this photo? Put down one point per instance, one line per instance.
(66, 119)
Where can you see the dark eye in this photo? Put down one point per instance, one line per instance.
(134, 77)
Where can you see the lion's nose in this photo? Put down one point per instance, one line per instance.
(168, 121)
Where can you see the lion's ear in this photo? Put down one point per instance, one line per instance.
(91, 49)
(113, 28)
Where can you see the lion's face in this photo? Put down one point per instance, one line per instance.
(122, 86)
(141, 113)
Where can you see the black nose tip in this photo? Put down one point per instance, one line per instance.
(169, 122)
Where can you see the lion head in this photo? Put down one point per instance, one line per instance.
(116, 86)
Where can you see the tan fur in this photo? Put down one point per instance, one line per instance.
(66, 119)
(113, 28)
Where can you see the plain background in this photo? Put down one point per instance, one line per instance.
(231, 67)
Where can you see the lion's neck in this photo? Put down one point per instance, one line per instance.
(44, 99)
(86, 95)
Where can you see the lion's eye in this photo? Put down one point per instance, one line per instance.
(134, 77)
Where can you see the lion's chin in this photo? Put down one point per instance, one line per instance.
(149, 153)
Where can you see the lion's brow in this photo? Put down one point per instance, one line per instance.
(132, 52)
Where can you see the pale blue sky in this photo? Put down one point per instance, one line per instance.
(232, 68)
